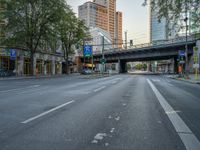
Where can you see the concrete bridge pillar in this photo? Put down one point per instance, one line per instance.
(122, 66)
(119, 65)
(148, 66)
(175, 65)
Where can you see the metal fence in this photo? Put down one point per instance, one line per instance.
(153, 44)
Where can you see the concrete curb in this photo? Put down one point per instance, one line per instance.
(189, 81)
(94, 76)
(34, 77)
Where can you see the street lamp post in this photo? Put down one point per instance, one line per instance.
(186, 40)
(103, 56)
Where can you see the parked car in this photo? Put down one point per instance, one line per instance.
(86, 71)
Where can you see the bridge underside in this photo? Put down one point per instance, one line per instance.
(145, 54)
(151, 53)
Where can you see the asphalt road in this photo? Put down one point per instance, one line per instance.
(122, 112)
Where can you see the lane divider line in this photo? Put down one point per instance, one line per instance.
(17, 89)
(187, 136)
(99, 89)
(47, 112)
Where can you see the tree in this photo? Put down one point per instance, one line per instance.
(2, 19)
(70, 31)
(178, 14)
(174, 12)
(30, 22)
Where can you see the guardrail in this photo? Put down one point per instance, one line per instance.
(153, 44)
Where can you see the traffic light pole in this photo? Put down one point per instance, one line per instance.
(186, 41)
(126, 40)
(103, 56)
(83, 54)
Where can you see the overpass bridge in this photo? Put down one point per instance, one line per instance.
(160, 50)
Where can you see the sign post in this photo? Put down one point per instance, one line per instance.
(196, 62)
(182, 55)
(13, 54)
(88, 52)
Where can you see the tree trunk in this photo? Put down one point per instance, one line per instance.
(66, 63)
(32, 64)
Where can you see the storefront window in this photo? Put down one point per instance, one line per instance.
(49, 67)
(4, 62)
(39, 67)
(27, 66)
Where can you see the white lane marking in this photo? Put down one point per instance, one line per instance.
(99, 89)
(155, 80)
(98, 137)
(117, 118)
(47, 112)
(17, 89)
(112, 130)
(172, 112)
(187, 136)
(30, 92)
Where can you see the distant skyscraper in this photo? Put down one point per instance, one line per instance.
(102, 14)
(94, 15)
(118, 32)
(158, 30)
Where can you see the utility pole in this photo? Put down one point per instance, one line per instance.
(186, 40)
(126, 40)
(83, 53)
(103, 56)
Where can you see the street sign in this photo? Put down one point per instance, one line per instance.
(103, 61)
(181, 53)
(87, 50)
(13, 54)
(182, 62)
(195, 66)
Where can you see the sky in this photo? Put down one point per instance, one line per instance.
(135, 18)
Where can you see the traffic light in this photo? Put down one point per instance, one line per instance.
(131, 42)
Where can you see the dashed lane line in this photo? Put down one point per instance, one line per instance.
(187, 136)
(99, 89)
(47, 112)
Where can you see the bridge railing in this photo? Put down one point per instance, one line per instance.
(153, 44)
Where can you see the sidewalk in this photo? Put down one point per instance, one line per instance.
(95, 76)
(37, 77)
(191, 78)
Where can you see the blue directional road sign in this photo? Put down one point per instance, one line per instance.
(87, 51)
(181, 53)
(13, 54)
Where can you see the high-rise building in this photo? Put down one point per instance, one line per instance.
(118, 30)
(94, 15)
(111, 7)
(157, 29)
(166, 29)
(102, 14)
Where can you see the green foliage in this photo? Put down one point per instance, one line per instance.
(174, 11)
(141, 67)
(70, 31)
(30, 22)
(128, 67)
(42, 25)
